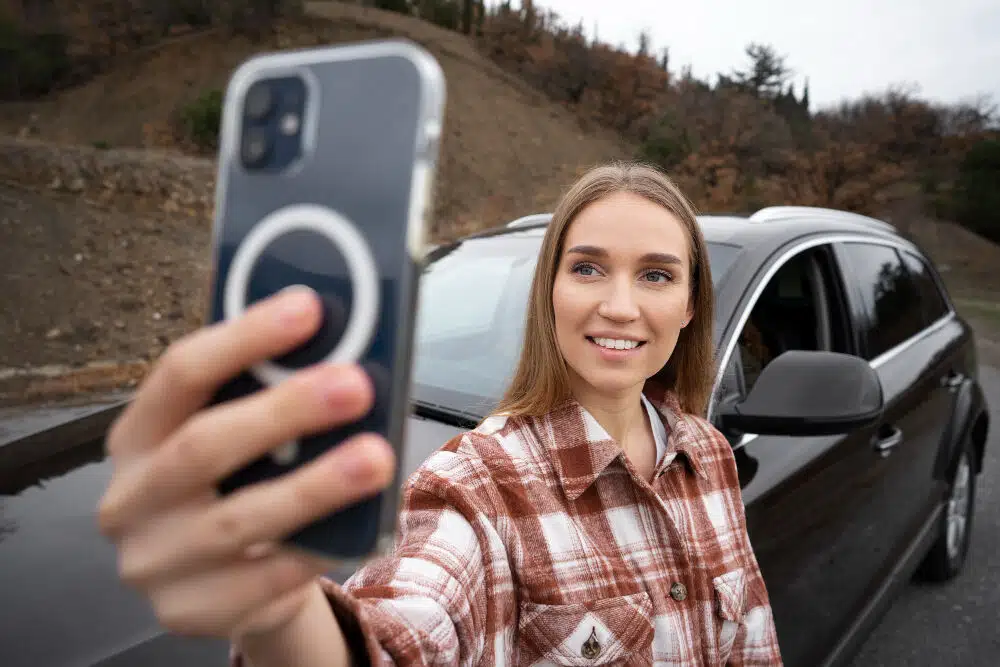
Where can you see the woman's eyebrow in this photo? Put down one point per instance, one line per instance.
(661, 258)
(650, 257)
(590, 250)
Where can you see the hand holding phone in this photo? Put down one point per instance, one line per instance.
(208, 564)
(280, 423)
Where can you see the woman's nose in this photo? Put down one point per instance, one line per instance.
(619, 302)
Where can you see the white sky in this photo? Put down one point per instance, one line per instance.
(949, 48)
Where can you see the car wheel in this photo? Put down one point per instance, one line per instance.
(947, 555)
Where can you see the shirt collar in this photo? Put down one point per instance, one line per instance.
(581, 449)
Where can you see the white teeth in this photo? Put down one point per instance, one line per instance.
(616, 343)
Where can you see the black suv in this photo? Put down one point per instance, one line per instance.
(847, 384)
(854, 478)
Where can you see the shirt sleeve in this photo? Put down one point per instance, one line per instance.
(445, 594)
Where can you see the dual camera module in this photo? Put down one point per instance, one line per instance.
(273, 111)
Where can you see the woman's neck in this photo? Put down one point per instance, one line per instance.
(619, 414)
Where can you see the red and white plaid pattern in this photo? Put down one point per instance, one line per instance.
(533, 542)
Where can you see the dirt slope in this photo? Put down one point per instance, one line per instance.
(102, 291)
(507, 149)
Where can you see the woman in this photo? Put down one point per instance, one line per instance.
(594, 518)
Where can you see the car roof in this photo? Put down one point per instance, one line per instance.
(771, 226)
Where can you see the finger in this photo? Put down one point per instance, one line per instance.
(175, 544)
(195, 366)
(213, 603)
(220, 439)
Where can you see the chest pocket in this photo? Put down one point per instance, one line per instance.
(603, 632)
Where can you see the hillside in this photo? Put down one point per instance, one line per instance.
(507, 149)
(96, 287)
(96, 283)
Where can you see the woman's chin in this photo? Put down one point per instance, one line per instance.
(612, 383)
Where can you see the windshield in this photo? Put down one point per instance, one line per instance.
(470, 319)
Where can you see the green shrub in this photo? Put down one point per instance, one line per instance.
(31, 64)
(667, 142)
(190, 12)
(444, 13)
(201, 120)
(399, 6)
(976, 195)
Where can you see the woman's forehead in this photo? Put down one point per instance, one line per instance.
(624, 224)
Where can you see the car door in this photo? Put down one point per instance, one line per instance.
(909, 339)
(811, 503)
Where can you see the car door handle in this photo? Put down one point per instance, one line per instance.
(884, 444)
(952, 380)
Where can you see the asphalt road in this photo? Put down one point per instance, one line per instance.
(955, 624)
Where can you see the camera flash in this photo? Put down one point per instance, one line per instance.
(289, 124)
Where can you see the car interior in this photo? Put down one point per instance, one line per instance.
(799, 309)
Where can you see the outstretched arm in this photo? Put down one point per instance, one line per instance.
(441, 598)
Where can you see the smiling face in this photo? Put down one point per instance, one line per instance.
(622, 293)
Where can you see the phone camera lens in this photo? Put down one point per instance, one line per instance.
(255, 147)
(290, 124)
(259, 101)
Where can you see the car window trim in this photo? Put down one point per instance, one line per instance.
(781, 259)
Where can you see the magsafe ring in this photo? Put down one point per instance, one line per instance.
(360, 263)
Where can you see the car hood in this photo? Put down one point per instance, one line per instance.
(61, 602)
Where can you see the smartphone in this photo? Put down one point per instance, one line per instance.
(326, 166)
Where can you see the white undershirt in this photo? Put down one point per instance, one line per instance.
(659, 430)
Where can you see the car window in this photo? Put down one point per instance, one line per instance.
(890, 297)
(800, 308)
(470, 319)
(933, 304)
(471, 316)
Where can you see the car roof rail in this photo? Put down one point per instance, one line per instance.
(775, 213)
(528, 220)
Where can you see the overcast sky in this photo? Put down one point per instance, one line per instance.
(949, 48)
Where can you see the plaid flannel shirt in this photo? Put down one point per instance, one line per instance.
(532, 541)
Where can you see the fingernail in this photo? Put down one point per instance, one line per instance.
(296, 302)
(359, 464)
(336, 382)
(357, 467)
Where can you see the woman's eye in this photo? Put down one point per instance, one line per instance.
(659, 277)
(585, 270)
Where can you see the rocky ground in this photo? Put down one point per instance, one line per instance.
(97, 291)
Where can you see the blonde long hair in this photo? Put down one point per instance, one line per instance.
(541, 381)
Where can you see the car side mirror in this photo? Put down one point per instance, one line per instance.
(809, 393)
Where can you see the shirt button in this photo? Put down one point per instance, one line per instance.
(678, 591)
(591, 648)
